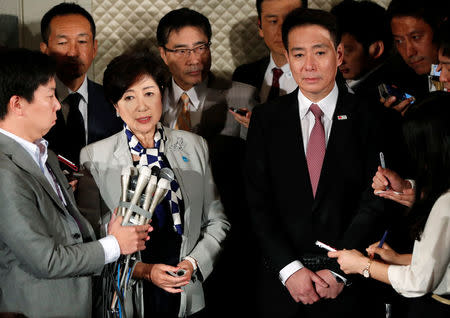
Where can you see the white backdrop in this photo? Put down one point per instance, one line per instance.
(125, 23)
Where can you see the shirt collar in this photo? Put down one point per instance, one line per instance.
(36, 149)
(195, 93)
(327, 104)
(62, 91)
(285, 68)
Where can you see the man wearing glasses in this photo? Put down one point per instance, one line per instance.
(195, 100)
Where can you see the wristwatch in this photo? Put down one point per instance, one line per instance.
(366, 272)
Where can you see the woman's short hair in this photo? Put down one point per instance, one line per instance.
(126, 69)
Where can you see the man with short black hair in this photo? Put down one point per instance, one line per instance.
(413, 25)
(48, 250)
(195, 100)
(367, 42)
(263, 73)
(310, 158)
(68, 35)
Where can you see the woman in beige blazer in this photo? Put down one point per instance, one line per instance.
(133, 83)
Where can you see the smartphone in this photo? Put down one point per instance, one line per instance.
(386, 91)
(178, 273)
(70, 170)
(239, 111)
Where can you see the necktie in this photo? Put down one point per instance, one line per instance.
(184, 118)
(75, 126)
(315, 151)
(275, 88)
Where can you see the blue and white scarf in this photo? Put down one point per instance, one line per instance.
(154, 157)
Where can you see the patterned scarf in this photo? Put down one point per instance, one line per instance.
(154, 157)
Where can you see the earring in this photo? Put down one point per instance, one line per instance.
(117, 113)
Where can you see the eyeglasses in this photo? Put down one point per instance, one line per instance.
(183, 53)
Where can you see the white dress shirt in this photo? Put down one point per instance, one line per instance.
(429, 270)
(62, 91)
(307, 120)
(39, 154)
(287, 81)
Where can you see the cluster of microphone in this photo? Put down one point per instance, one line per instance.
(142, 190)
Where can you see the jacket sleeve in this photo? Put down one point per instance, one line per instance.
(215, 225)
(32, 228)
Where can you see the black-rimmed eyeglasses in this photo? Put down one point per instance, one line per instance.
(198, 50)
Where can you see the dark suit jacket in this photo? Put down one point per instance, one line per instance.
(45, 268)
(287, 218)
(252, 73)
(102, 123)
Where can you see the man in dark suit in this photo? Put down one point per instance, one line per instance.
(48, 250)
(262, 73)
(311, 155)
(270, 75)
(68, 35)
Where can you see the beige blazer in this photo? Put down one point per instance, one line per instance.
(205, 224)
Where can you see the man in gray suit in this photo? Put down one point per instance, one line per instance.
(48, 250)
(196, 100)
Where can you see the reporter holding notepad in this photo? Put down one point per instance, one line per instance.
(425, 274)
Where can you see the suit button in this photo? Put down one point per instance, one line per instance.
(76, 236)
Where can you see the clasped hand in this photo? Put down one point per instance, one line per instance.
(308, 287)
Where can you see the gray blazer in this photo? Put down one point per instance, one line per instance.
(45, 267)
(205, 224)
(215, 99)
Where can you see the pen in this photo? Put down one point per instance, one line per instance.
(380, 245)
(383, 165)
(325, 246)
(383, 239)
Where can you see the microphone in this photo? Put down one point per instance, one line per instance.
(124, 182)
(149, 192)
(144, 176)
(165, 178)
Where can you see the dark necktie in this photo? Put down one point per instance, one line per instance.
(315, 151)
(75, 126)
(275, 88)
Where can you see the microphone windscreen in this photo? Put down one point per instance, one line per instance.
(167, 174)
(144, 176)
(124, 182)
(155, 170)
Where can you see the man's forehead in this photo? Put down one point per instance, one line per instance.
(71, 22)
(410, 22)
(309, 29)
(189, 30)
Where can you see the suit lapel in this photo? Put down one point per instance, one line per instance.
(71, 207)
(295, 161)
(261, 71)
(23, 160)
(121, 151)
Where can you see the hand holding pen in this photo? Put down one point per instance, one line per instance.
(380, 244)
(383, 165)
(388, 255)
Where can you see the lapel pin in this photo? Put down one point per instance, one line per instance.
(342, 117)
(185, 159)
